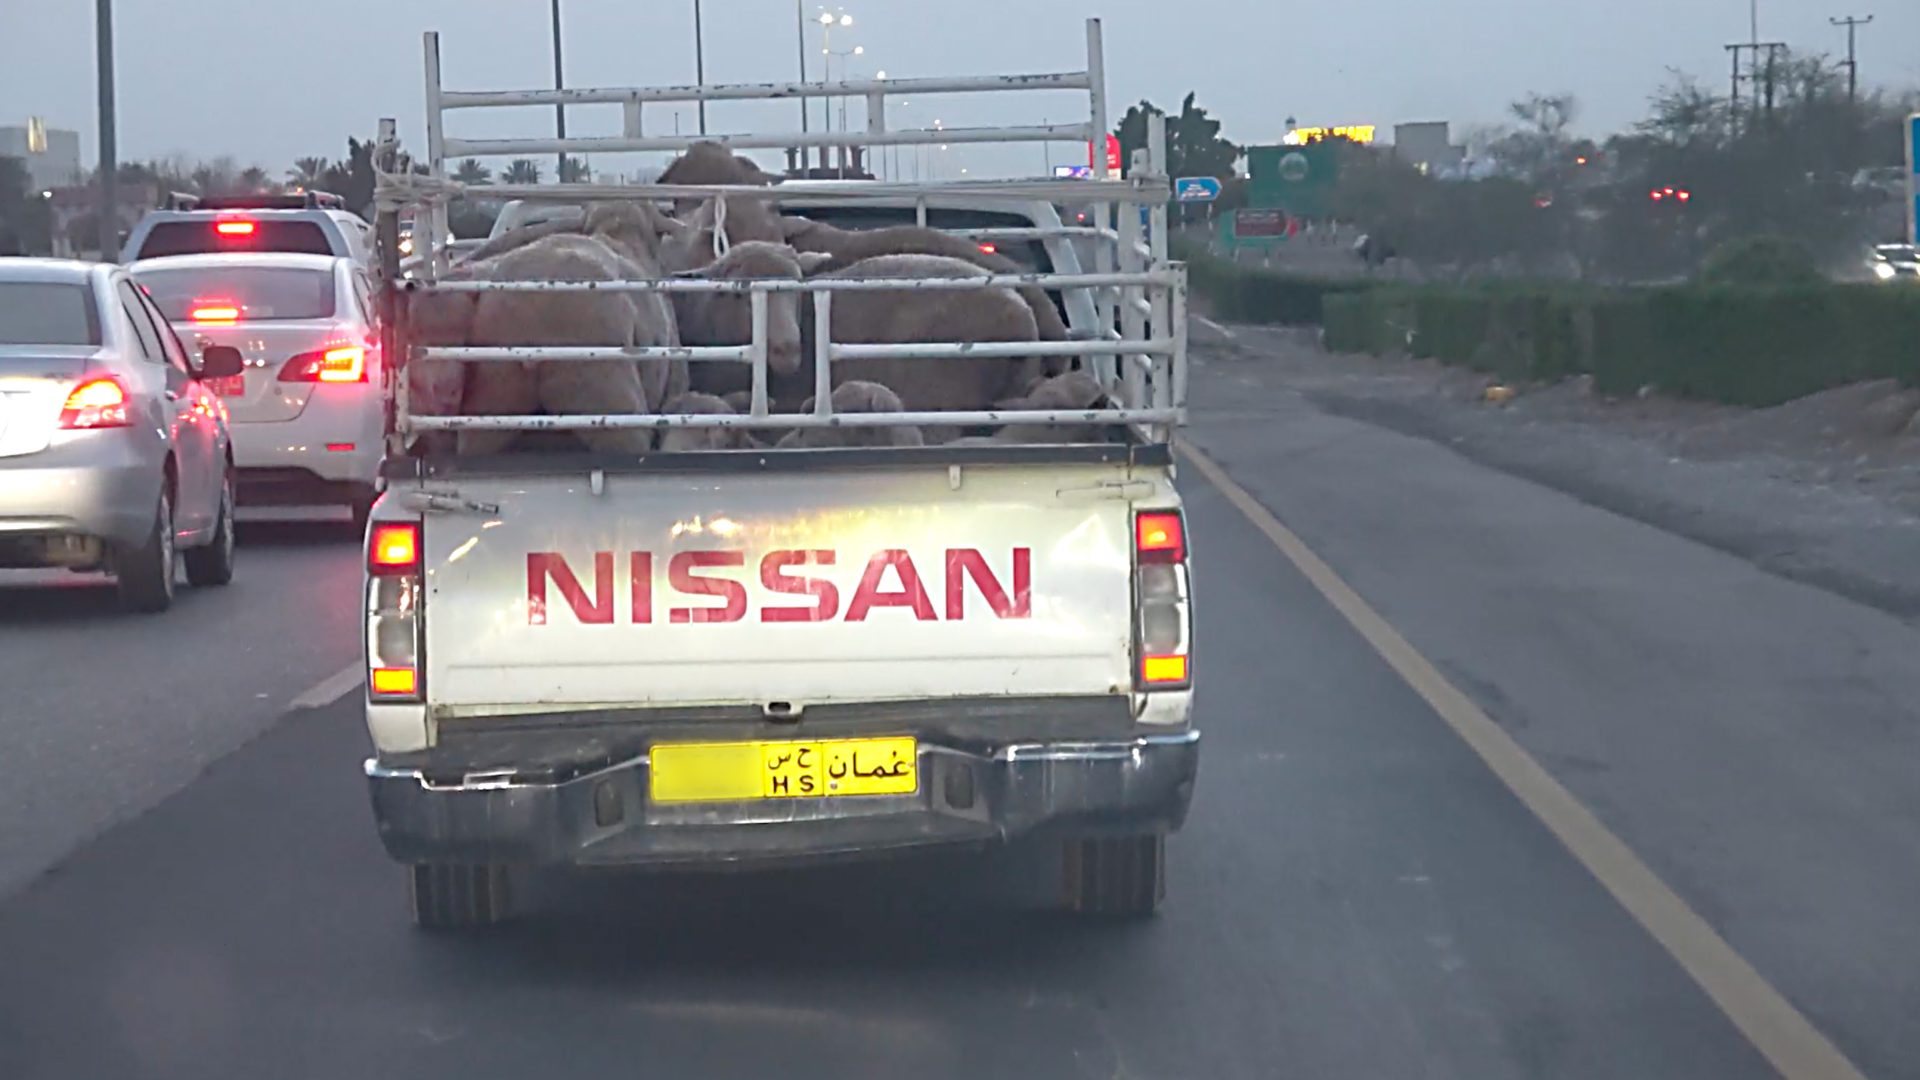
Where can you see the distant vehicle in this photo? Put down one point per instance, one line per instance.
(313, 223)
(1891, 261)
(307, 412)
(114, 451)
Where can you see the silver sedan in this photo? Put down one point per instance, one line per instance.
(113, 455)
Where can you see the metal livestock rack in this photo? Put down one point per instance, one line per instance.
(1136, 343)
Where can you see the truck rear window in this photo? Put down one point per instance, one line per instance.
(47, 313)
(1029, 255)
(205, 238)
(259, 292)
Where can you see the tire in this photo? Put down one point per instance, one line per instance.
(1116, 877)
(213, 564)
(458, 896)
(144, 572)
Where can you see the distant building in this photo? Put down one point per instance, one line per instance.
(51, 155)
(1428, 147)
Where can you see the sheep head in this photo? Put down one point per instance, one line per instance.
(726, 318)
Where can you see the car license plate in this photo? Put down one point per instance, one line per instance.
(229, 386)
(739, 771)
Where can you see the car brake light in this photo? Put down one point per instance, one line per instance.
(346, 363)
(211, 310)
(394, 610)
(234, 228)
(1161, 619)
(96, 403)
(1160, 538)
(394, 548)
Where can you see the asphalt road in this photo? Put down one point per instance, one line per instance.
(1356, 894)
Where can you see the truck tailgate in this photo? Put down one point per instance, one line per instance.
(799, 587)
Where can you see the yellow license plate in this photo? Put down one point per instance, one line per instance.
(732, 772)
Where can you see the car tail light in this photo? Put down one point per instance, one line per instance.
(213, 310)
(345, 363)
(234, 228)
(394, 594)
(96, 403)
(989, 248)
(1162, 622)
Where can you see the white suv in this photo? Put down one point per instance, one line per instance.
(307, 413)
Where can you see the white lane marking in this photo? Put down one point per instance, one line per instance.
(1216, 328)
(330, 689)
(1782, 1034)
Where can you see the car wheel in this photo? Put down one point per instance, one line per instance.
(1118, 877)
(213, 564)
(458, 896)
(144, 571)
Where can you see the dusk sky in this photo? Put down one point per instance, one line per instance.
(266, 81)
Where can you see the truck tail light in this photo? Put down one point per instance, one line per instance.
(394, 612)
(346, 363)
(1162, 622)
(96, 403)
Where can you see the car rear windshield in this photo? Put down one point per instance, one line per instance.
(47, 313)
(253, 293)
(205, 237)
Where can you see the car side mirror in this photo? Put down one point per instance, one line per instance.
(221, 362)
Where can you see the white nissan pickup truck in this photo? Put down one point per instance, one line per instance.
(778, 655)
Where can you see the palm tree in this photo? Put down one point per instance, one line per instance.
(307, 171)
(472, 172)
(522, 171)
(255, 179)
(575, 170)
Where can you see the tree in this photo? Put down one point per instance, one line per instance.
(575, 170)
(1538, 151)
(307, 172)
(1194, 144)
(472, 172)
(521, 171)
(253, 178)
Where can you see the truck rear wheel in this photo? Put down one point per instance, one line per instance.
(458, 896)
(1116, 876)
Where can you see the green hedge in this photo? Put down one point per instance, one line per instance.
(1239, 294)
(1739, 345)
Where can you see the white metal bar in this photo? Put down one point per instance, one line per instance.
(609, 144)
(833, 192)
(822, 353)
(994, 350)
(1137, 278)
(1097, 99)
(436, 259)
(757, 355)
(1035, 233)
(1178, 324)
(630, 118)
(1008, 418)
(776, 91)
(1105, 257)
(492, 354)
(1133, 325)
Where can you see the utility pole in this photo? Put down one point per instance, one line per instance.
(1852, 23)
(109, 152)
(699, 63)
(1763, 78)
(559, 83)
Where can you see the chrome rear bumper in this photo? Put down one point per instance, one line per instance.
(1138, 785)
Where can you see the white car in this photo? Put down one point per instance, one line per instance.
(307, 413)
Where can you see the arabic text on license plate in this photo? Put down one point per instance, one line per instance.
(229, 386)
(730, 772)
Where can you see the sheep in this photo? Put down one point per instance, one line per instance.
(554, 319)
(899, 316)
(848, 246)
(855, 396)
(711, 163)
(684, 439)
(726, 318)
(1073, 391)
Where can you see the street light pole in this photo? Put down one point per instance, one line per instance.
(559, 83)
(699, 63)
(109, 152)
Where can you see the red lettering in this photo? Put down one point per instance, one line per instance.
(641, 568)
(963, 563)
(826, 596)
(680, 574)
(542, 565)
(911, 593)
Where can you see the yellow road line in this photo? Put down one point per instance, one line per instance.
(1779, 1031)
